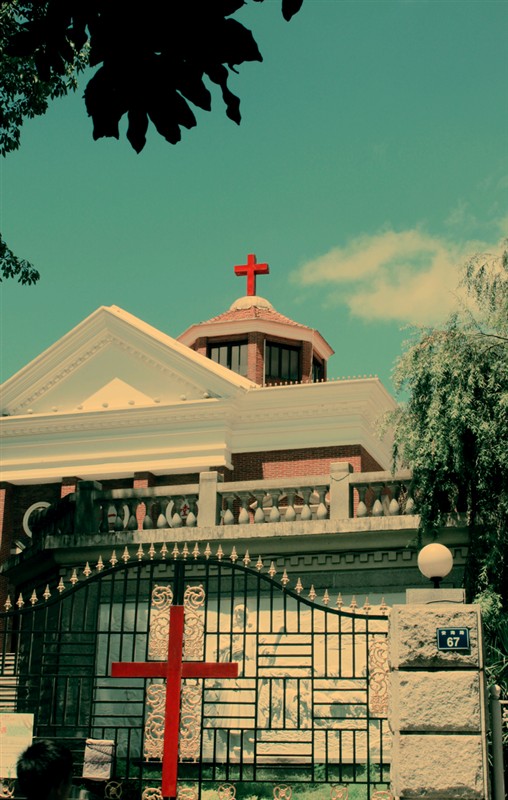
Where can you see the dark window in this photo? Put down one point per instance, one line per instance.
(318, 370)
(232, 355)
(282, 362)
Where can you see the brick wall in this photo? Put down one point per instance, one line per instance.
(302, 461)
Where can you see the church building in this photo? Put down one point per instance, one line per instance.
(230, 435)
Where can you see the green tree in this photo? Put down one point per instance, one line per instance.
(154, 62)
(453, 432)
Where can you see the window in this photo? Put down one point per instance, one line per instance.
(232, 355)
(318, 370)
(282, 363)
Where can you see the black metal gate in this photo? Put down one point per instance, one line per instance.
(306, 716)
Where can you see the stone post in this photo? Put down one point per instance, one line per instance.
(437, 704)
(340, 502)
(86, 513)
(209, 499)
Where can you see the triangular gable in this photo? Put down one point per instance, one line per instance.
(114, 360)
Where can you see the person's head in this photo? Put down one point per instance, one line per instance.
(45, 771)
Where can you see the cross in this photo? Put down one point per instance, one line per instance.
(174, 669)
(251, 269)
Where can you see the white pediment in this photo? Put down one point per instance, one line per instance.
(114, 360)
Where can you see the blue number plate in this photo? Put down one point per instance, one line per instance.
(452, 638)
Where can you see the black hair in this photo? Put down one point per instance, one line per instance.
(42, 768)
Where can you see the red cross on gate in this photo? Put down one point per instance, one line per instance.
(251, 269)
(174, 669)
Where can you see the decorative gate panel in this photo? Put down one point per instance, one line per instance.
(307, 712)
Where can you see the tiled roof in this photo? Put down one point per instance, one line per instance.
(268, 314)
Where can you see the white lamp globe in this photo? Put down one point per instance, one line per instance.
(435, 561)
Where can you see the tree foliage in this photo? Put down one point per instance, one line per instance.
(154, 62)
(453, 433)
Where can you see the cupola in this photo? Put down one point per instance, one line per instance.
(256, 341)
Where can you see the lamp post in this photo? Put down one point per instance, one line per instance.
(435, 561)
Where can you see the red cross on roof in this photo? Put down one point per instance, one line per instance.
(174, 669)
(251, 269)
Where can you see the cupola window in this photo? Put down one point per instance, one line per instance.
(282, 363)
(232, 355)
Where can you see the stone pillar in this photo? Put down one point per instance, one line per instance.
(340, 504)
(68, 486)
(87, 520)
(209, 499)
(437, 705)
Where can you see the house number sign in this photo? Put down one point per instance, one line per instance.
(452, 638)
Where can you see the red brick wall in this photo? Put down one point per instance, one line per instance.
(302, 461)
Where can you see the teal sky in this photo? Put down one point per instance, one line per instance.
(372, 159)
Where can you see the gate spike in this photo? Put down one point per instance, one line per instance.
(151, 551)
(100, 564)
(272, 571)
(125, 555)
(195, 552)
(340, 602)
(353, 604)
(208, 551)
(299, 586)
(246, 559)
(164, 550)
(219, 552)
(33, 597)
(234, 555)
(61, 585)
(87, 571)
(383, 607)
(20, 603)
(259, 564)
(366, 606)
(175, 552)
(140, 552)
(74, 577)
(284, 580)
(326, 597)
(113, 560)
(46, 593)
(312, 593)
(8, 604)
(185, 552)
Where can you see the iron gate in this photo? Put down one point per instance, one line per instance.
(305, 717)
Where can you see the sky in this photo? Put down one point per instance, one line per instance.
(371, 162)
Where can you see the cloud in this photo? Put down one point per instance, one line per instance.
(406, 276)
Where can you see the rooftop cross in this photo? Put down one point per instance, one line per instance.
(251, 269)
(174, 669)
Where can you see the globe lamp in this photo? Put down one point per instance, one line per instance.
(435, 561)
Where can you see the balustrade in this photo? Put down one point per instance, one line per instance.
(339, 495)
(382, 494)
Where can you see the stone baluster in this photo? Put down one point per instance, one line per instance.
(176, 519)
(377, 507)
(192, 519)
(274, 511)
(227, 515)
(162, 520)
(410, 503)
(120, 515)
(132, 504)
(148, 523)
(259, 514)
(306, 512)
(290, 509)
(321, 511)
(361, 509)
(393, 506)
(244, 516)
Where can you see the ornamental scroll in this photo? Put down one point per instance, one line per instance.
(193, 650)
(378, 676)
